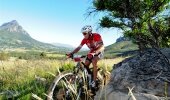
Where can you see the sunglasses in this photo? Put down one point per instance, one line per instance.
(84, 33)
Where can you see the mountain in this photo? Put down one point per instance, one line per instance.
(122, 46)
(13, 36)
(122, 38)
(63, 45)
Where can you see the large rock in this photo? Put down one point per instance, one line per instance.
(143, 77)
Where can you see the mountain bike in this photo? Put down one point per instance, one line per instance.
(75, 85)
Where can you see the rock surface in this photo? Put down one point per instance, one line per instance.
(142, 77)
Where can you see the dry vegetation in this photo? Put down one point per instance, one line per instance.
(21, 78)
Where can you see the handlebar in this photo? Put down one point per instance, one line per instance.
(77, 59)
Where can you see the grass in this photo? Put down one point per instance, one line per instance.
(21, 78)
(107, 64)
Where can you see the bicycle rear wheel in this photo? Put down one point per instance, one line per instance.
(64, 87)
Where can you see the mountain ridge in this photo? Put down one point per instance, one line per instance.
(13, 26)
(62, 45)
(13, 36)
(122, 46)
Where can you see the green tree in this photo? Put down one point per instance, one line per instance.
(141, 20)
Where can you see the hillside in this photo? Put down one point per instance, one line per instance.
(120, 47)
(13, 36)
(63, 45)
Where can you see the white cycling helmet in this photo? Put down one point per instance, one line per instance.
(86, 29)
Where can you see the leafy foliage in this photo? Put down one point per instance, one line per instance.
(146, 22)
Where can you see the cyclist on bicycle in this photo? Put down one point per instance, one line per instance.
(95, 43)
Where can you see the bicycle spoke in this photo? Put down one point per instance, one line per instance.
(69, 86)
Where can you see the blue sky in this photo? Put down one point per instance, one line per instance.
(54, 21)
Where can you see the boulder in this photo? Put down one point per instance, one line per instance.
(145, 76)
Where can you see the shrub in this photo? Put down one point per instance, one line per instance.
(67, 66)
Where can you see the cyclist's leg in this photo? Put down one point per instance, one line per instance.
(94, 63)
(95, 59)
(87, 64)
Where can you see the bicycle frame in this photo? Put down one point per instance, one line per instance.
(80, 66)
(75, 84)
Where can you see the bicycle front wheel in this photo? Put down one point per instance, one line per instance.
(64, 87)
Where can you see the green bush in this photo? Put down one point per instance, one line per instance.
(68, 66)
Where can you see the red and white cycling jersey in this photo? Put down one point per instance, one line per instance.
(92, 42)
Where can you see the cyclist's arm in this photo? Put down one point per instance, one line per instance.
(100, 47)
(77, 49)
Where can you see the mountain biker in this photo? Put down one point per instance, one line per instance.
(95, 43)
